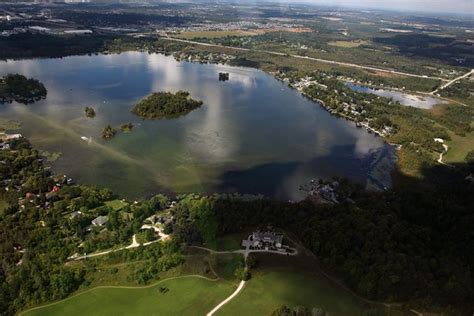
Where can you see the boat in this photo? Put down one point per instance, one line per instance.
(86, 139)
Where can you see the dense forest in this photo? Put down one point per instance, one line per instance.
(414, 244)
(15, 87)
(165, 104)
(447, 49)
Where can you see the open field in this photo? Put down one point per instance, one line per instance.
(188, 295)
(458, 148)
(268, 290)
(215, 34)
(116, 205)
(347, 44)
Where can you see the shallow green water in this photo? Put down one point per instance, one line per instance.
(253, 134)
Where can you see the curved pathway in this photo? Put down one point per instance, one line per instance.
(134, 244)
(237, 291)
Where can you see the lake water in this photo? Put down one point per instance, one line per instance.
(253, 134)
(417, 101)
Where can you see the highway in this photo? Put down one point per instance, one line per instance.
(453, 81)
(305, 57)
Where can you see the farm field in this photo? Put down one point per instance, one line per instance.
(187, 295)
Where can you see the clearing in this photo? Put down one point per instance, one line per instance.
(186, 295)
(347, 44)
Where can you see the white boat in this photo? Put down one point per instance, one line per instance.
(87, 139)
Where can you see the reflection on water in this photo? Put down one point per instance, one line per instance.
(417, 101)
(253, 134)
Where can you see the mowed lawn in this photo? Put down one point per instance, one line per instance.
(186, 296)
(267, 291)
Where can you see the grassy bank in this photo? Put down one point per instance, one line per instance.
(188, 295)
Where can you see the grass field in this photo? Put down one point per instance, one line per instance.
(458, 148)
(116, 205)
(186, 296)
(214, 34)
(266, 291)
(347, 44)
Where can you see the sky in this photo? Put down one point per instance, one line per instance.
(447, 6)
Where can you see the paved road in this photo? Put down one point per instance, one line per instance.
(453, 81)
(306, 57)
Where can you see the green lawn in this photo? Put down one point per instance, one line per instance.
(459, 147)
(116, 205)
(266, 291)
(186, 296)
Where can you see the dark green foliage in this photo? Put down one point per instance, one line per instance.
(242, 274)
(446, 49)
(165, 104)
(38, 45)
(21, 89)
(90, 112)
(297, 311)
(470, 157)
(108, 132)
(127, 127)
(414, 244)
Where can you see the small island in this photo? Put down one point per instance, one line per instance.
(90, 112)
(108, 132)
(165, 105)
(15, 87)
(127, 127)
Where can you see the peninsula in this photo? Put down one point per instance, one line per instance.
(15, 87)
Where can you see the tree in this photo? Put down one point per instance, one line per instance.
(242, 274)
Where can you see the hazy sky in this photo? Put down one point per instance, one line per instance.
(452, 6)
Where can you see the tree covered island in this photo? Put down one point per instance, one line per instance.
(165, 105)
(15, 87)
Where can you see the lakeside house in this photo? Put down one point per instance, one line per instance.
(99, 221)
(264, 240)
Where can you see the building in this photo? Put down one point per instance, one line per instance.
(264, 240)
(100, 221)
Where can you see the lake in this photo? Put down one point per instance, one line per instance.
(417, 101)
(253, 134)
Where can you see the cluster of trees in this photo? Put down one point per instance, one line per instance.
(412, 244)
(90, 112)
(21, 89)
(165, 104)
(108, 132)
(127, 127)
(448, 49)
(298, 311)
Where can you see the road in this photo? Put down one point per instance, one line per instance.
(134, 244)
(453, 81)
(304, 57)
